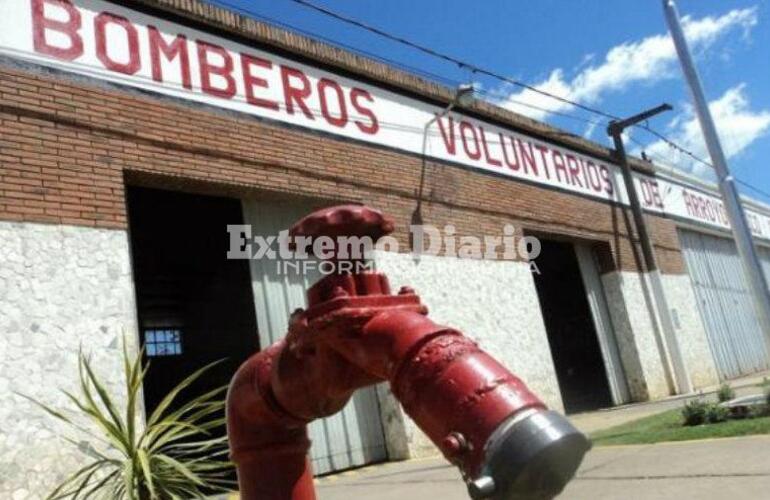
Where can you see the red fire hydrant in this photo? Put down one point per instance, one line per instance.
(355, 333)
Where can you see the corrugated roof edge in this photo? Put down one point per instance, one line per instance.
(331, 56)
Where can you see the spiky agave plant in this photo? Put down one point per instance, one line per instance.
(174, 456)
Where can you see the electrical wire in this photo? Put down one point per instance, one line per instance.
(753, 188)
(477, 69)
(493, 97)
(148, 83)
(460, 63)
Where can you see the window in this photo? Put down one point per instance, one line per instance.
(163, 342)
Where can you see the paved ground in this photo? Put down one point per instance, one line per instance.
(731, 468)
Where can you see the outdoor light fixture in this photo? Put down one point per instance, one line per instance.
(464, 94)
(463, 97)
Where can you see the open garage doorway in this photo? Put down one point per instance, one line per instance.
(578, 327)
(194, 305)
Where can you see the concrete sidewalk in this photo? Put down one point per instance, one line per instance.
(734, 468)
(602, 419)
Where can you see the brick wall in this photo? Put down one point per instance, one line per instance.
(68, 147)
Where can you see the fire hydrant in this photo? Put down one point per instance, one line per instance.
(355, 333)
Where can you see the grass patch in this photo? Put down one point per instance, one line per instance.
(667, 426)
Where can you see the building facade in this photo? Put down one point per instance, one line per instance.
(133, 133)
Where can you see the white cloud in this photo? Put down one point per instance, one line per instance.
(648, 60)
(737, 124)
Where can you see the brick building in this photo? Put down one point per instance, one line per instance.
(132, 133)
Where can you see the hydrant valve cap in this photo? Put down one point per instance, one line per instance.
(533, 457)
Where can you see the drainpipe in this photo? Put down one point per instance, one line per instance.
(356, 333)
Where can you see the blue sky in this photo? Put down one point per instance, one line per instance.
(611, 55)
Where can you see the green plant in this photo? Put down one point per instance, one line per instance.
(725, 393)
(173, 457)
(694, 412)
(759, 411)
(766, 388)
(716, 413)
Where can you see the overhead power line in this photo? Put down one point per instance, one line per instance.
(460, 63)
(475, 69)
(753, 188)
(494, 97)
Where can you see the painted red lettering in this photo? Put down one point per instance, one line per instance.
(651, 193)
(527, 156)
(374, 125)
(475, 154)
(250, 80)
(177, 48)
(449, 138)
(543, 151)
(515, 164)
(296, 95)
(574, 170)
(657, 200)
(593, 176)
(224, 71)
(559, 165)
(133, 63)
(68, 28)
(491, 161)
(609, 187)
(325, 84)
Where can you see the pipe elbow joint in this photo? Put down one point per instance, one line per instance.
(268, 445)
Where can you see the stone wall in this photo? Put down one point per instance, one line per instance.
(629, 305)
(492, 302)
(61, 288)
(690, 331)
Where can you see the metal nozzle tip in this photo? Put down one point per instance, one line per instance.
(531, 458)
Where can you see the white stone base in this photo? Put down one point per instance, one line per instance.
(690, 331)
(61, 288)
(635, 332)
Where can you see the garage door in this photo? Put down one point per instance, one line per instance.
(764, 259)
(725, 304)
(354, 436)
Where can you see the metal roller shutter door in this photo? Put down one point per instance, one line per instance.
(354, 436)
(725, 304)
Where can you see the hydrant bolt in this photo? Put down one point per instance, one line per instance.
(454, 444)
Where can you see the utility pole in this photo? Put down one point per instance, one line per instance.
(733, 206)
(673, 362)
